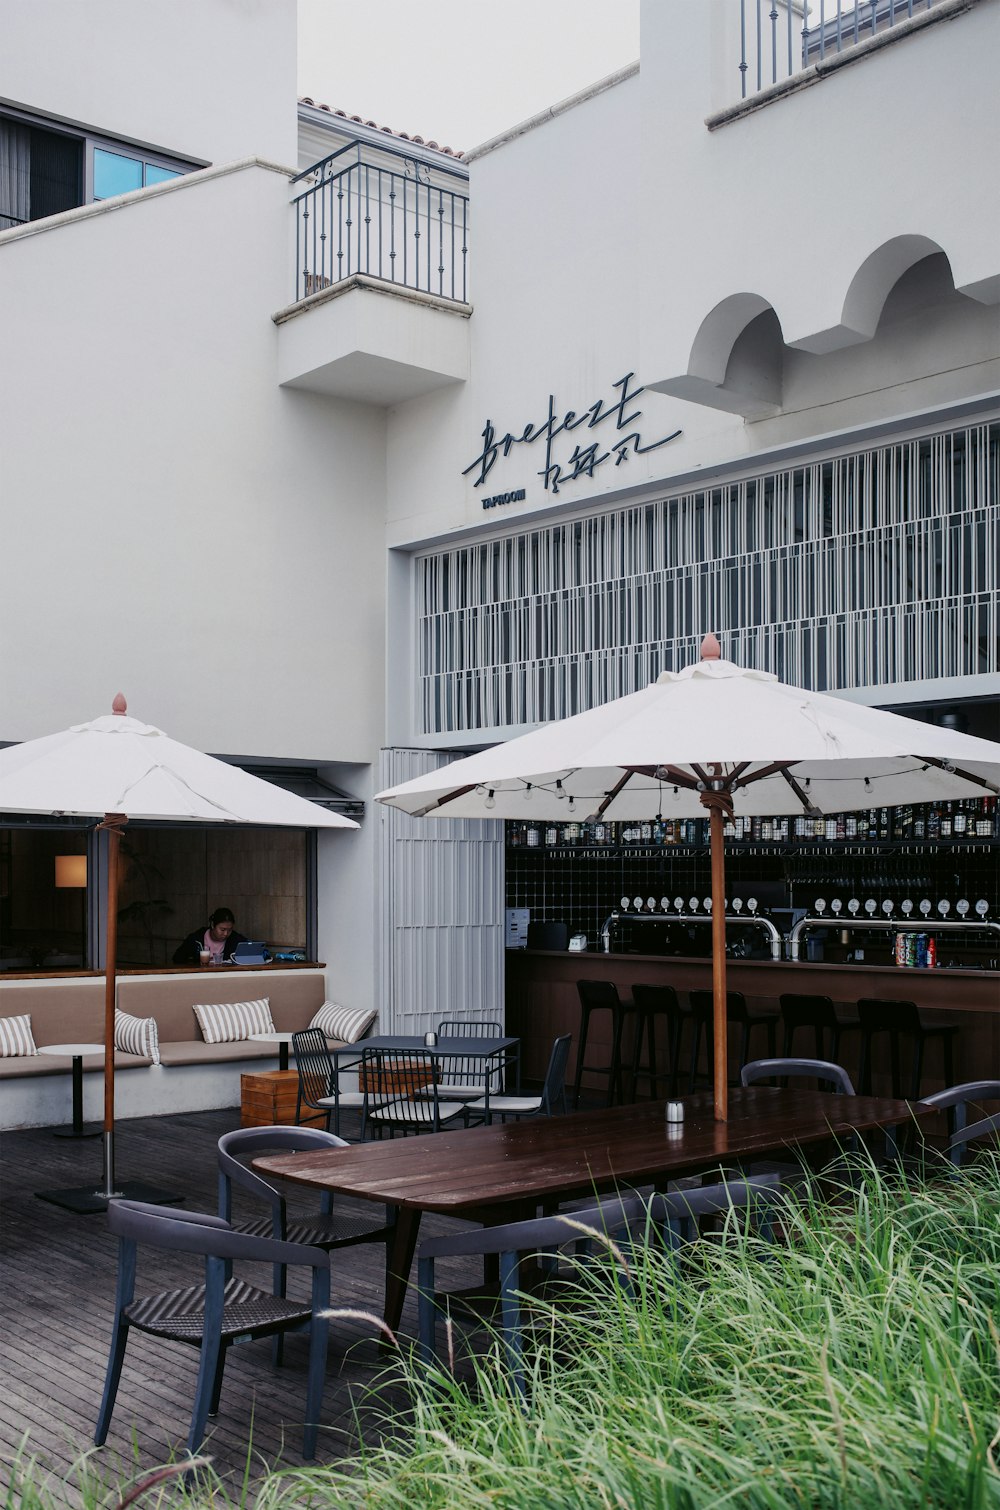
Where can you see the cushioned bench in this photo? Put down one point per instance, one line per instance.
(192, 1075)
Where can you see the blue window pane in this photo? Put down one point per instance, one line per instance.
(155, 175)
(115, 174)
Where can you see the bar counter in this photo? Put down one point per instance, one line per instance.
(542, 1002)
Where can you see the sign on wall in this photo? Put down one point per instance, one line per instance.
(564, 463)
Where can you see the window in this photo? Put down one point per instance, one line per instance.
(114, 173)
(45, 169)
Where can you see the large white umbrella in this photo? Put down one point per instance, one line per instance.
(117, 768)
(719, 737)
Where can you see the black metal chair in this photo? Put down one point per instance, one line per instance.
(552, 1098)
(465, 1079)
(319, 1079)
(399, 1088)
(600, 996)
(211, 1316)
(815, 1012)
(655, 1004)
(702, 1011)
(333, 1226)
(900, 1020)
(671, 1219)
(956, 1101)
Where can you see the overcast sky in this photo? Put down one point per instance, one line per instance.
(459, 71)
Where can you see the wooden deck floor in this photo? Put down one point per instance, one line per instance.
(56, 1302)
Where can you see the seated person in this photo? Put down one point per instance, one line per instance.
(219, 938)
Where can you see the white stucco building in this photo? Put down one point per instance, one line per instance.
(331, 478)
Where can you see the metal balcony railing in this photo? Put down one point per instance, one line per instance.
(385, 213)
(777, 40)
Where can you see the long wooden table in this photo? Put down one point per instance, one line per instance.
(505, 1172)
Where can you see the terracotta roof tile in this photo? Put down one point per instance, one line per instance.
(374, 126)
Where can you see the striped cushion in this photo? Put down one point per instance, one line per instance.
(137, 1035)
(232, 1021)
(346, 1024)
(15, 1037)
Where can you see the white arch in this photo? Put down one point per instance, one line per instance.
(867, 293)
(717, 335)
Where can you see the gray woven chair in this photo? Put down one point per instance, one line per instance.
(333, 1226)
(211, 1316)
(957, 1101)
(823, 1070)
(672, 1219)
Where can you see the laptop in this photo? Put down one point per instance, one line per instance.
(251, 953)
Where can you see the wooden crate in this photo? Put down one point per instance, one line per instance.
(269, 1098)
(413, 1078)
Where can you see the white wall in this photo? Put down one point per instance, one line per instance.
(789, 202)
(601, 240)
(176, 526)
(213, 80)
(555, 259)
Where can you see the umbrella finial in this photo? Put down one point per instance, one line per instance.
(119, 705)
(711, 650)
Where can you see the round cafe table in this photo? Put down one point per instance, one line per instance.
(281, 1039)
(76, 1051)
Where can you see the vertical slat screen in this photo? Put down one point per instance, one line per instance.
(441, 911)
(875, 567)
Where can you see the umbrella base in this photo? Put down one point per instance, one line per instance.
(88, 1130)
(85, 1200)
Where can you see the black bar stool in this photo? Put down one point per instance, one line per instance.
(736, 1011)
(818, 1013)
(600, 996)
(901, 1019)
(652, 1004)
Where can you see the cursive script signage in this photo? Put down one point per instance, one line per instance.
(585, 456)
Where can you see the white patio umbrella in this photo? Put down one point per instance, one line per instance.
(718, 737)
(117, 768)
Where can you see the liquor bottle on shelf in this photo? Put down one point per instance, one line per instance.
(551, 835)
(884, 827)
(872, 825)
(960, 819)
(986, 818)
(532, 837)
(919, 822)
(934, 823)
(946, 820)
(514, 835)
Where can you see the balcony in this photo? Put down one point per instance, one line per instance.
(380, 309)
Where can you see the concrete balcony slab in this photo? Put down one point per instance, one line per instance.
(372, 342)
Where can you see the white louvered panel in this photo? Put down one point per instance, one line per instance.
(788, 567)
(441, 911)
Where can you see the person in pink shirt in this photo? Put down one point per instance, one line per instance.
(219, 939)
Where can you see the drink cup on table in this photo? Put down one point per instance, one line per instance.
(205, 957)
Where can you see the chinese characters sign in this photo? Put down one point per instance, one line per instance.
(619, 439)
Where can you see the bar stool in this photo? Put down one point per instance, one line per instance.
(654, 1003)
(901, 1019)
(736, 1011)
(600, 996)
(818, 1013)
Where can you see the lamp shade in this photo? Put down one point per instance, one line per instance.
(71, 870)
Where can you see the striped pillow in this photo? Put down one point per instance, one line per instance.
(346, 1024)
(233, 1021)
(137, 1035)
(15, 1037)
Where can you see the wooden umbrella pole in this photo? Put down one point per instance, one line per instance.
(720, 806)
(113, 825)
(720, 1020)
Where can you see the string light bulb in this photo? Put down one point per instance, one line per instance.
(560, 794)
(491, 801)
(527, 792)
